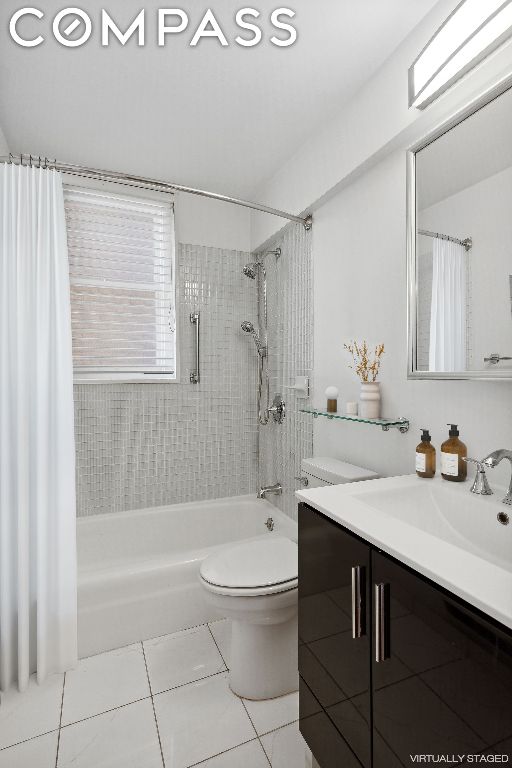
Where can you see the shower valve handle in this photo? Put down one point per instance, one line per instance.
(278, 409)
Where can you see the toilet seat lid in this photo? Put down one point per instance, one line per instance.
(253, 564)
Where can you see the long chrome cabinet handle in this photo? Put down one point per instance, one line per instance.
(382, 633)
(358, 607)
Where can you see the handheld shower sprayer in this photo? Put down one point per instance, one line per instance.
(248, 327)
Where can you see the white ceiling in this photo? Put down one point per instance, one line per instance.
(218, 118)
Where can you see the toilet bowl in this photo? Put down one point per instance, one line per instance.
(255, 585)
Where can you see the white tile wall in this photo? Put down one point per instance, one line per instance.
(141, 445)
(290, 320)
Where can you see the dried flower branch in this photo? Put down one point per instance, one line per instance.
(367, 368)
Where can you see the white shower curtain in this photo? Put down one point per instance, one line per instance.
(448, 324)
(37, 473)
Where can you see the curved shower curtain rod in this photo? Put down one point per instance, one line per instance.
(144, 183)
(467, 242)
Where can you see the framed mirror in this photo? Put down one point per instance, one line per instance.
(460, 246)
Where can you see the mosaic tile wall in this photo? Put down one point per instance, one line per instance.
(143, 445)
(290, 320)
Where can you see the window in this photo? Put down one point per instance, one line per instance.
(121, 260)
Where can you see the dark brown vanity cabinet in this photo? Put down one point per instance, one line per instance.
(335, 669)
(393, 668)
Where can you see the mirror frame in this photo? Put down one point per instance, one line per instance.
(412, 284)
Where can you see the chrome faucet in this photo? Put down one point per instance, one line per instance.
(276, 489)
(480, 485)
(495, 458)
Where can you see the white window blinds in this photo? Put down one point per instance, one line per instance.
(121, 260)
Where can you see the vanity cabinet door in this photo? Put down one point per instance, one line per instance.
(442, 673)
(334, 642)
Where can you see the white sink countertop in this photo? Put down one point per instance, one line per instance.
(438, 528)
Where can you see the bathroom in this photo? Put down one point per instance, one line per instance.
(212, 488)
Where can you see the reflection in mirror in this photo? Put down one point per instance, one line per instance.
(464, 245)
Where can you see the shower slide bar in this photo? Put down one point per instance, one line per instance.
(195, 376)
(141, 182)
(467, 243)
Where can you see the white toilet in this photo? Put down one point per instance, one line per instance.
(254, 584)
(326, 471)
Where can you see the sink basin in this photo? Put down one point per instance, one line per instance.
(450, 513)
(437, 528)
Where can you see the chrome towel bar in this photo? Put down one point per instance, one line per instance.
(195, 376)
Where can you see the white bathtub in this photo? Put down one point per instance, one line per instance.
(138, 571)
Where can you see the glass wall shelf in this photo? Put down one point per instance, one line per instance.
(385, 424)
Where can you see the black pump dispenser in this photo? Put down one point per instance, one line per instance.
(425, 456)
(453, 455)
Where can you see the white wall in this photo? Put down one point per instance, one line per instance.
(360, 292)
(374, 124)
(352, 174)
(200, 221)
(4, 149)
(482, 212)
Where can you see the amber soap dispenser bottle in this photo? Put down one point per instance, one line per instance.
(453, 453)
(425, 456)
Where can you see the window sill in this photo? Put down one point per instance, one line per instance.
(123, 378)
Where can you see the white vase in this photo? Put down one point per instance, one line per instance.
(369, 400)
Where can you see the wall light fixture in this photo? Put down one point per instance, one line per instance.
(472, 32)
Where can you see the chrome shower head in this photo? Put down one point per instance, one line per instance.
(247, 327)
(251, 270)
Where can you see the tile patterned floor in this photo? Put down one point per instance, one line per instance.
(164, 703)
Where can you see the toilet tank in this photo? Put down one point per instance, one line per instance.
(327, 471)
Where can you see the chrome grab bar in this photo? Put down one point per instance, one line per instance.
(195, 376)
(358, 609)
(495, 358)
(382, 630)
